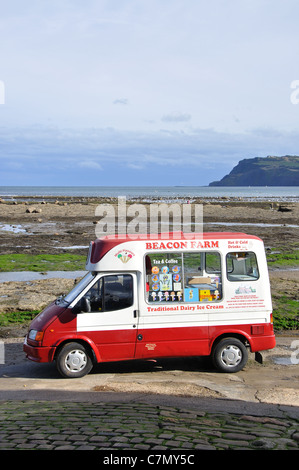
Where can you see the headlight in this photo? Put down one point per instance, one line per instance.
(36, 335)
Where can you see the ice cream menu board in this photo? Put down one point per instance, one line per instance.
(165, 282)
(183, 277)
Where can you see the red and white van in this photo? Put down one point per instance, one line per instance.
(203, 295)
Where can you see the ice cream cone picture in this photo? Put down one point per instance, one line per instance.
(172, 295)
(124, 256)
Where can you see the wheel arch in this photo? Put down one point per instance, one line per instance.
(237, 335)
(86, 342)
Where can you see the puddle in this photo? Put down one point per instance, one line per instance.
(33, 276)
(252, 224)
(75, 247)
(283, 361)
(12, 228)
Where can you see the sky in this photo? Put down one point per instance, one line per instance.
(145, 92)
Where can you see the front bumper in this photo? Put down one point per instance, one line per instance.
(38, 353)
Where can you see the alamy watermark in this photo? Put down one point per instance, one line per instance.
(295, 354)
(2, 92)
(2, 353)
(294, 97)
(134, 220)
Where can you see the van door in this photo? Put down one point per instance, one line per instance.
(110, 316)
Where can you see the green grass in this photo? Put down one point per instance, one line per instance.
(285, 313)
(17, 318)
(288, 257)
(44, 262)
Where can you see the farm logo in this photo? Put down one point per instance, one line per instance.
(150, 346)
(245, 290)
(125, 255)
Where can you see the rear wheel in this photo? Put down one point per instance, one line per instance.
(73, 360)
(230, 355)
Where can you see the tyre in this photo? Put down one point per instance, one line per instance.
(230, 355)
(73, 361)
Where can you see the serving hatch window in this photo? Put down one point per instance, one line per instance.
(242, 266)
(183, 277)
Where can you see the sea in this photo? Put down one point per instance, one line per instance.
(157, 193)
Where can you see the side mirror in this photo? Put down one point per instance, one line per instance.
(85, 305)
(82, 306)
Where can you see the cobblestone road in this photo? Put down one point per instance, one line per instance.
(52, 425)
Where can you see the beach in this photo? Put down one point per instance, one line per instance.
(67, 225)
(50, 227)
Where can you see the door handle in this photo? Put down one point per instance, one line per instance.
(135, 313)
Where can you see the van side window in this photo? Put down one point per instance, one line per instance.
(242, 266)
(183, 277)
(113, 292)
(118, 292)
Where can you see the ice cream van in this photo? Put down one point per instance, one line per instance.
(159, 297)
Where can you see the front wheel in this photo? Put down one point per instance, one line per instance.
(230, 355)
(73, 361)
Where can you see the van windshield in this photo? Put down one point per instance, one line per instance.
(79, 287)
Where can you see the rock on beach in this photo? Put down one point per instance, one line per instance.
(32, 295)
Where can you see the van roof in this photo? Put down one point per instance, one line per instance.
(101, 246)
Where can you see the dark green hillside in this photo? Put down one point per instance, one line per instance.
(270, 171)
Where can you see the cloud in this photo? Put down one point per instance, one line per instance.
(121, 101)
(91, 164)
(176, 117)
(79, 64)
(41, 156)
(89, 85)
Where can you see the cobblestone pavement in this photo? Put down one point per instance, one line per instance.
(52, 425)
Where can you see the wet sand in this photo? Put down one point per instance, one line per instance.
(51, 227)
